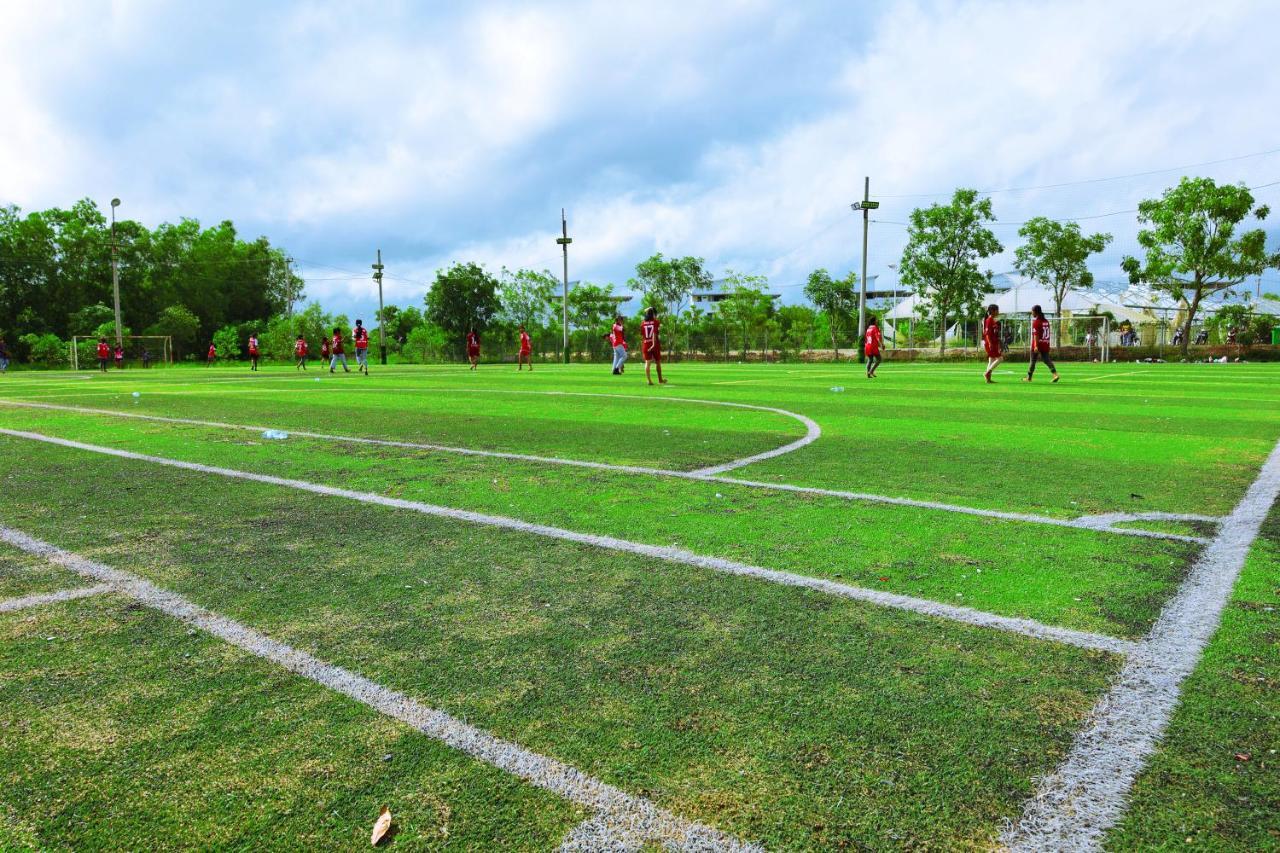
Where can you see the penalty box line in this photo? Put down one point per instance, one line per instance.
(632, 820)
(668, 554)
(1088, 793)
(1085, 523)
(12, 605)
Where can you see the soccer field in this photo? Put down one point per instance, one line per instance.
(773, 606)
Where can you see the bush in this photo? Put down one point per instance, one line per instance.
(227, 340)
(48, 350)
(426, 343)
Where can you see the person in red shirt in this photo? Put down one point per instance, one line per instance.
(618, 340)
(213, 354)
(526, 351)
(871, 346)
(1040, 343)
(361, 336)
(324, 348)
(337, 352)
(253, 352)
(300, 350)
(119, 357)
(104, 354)
(991, 339)
(473, 348)
(651, 345)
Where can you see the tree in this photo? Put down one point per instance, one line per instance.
(666, 283)
(591, 307)
(1192, 250)
(747, 304)
(89, 318)
(526, 296)
(940, 261)
(179, 323)
(1056, 255)
(227, 340)
(836, 298)
(463, 297)
(46, 349)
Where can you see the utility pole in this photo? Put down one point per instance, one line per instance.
(564, 240)
(382, 331)
(288, 268)
(866, 206)
(115, 274)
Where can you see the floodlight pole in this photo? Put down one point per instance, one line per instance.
(866, 206)
(115, 274)
(382, 331)
(564, 240)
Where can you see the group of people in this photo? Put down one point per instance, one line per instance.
(992, 341)
(650, 348)
(106, 355)
(332, 349)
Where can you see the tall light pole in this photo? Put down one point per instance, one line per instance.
(564, 240)
(866, 206)
(115, 274)
(382, 332)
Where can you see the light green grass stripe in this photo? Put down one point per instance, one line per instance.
(1026, 627)
(634, 819)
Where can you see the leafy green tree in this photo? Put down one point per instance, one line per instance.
(945, 242)
(666, 283)
(463, 297)
(527, 296)
(837, 298)
(88, 319)
(1192, 250)
(426, 343)
(746, 306)
(47, 349)
(591, 308)
(179, 323)
(1056, 255)
(227, 340)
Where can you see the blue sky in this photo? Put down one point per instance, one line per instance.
(736, 131)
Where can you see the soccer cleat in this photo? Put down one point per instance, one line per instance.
(988, 376)
(1026, 379)
(1056, 377)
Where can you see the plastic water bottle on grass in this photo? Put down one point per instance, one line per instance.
(275, 434)
(837, 388)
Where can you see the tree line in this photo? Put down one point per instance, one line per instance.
(199, 284)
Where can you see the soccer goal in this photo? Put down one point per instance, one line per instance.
(139, 351)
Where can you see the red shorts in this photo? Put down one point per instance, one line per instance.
(525, 351)
(651, 352)
(473, 352)
(872, 351)
(1043, 348)
(993, 348)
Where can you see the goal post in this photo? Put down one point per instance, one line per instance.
(139, 351)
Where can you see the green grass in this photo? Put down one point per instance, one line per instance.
(785, 716)
(1215, 784)
(22, 575)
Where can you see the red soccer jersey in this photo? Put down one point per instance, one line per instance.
(1040, 332)
(300, 348)
(104, 351)
(473, 341)
(119, 354)
(336, 348)
(526, 345)
(873, 340)
(649, 331)
(361, 335)
(253, 346)
(618, 337)
(213, 351)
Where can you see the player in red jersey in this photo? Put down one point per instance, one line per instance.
(871, 348)
(337, 352)
(651, 345)
(253, 352)
(104, 354)
(526, 351)
(300, 350)
(212, 355)
(618, 340)
(473, 348)
(119, 357)
(361, 336)
(991, 339)
(1040, 343)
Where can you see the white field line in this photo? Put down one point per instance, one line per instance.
(1025, 627)
(1114, 375)
(645, 820)
(11, 604)
(1085, 523)
(1084, 797)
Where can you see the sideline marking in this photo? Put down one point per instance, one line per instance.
(12, 604)
(924, 607)
(641, 817)
(1083, 523)
(1088, 793)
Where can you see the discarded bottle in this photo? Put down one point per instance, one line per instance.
(838, 388)
(275, 434)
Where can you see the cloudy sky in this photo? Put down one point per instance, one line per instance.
(736, 131)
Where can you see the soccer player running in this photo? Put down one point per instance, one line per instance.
(1040, 344)
(526, 351)
(473, 348)
(212, 355)
(119, 357)
(104, 354)
(337, 352)
(871, 348)
(618, 340)
(651, 346)
(361, 336)
(253, 352)
(991, 339)
(300, 350)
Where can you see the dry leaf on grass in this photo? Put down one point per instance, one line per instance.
(380, 826)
